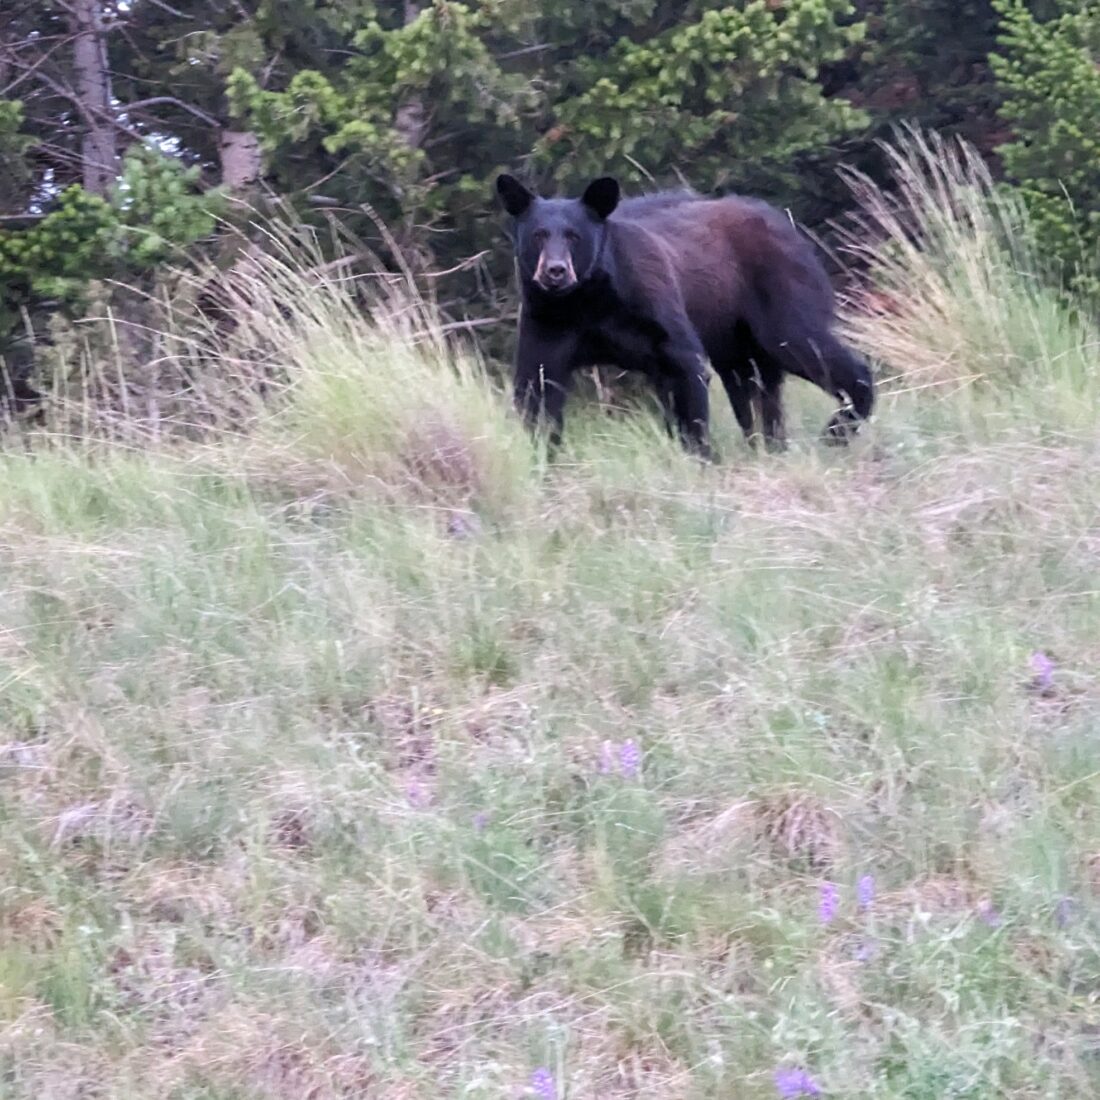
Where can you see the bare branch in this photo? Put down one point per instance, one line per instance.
(269, 68)
(320, 199)
(335, 265)
(169, 9)
(523, 52)
(19, 221)
(478, 322)
(169, 100)
(462, 265)
(84, 110)
(31, 69)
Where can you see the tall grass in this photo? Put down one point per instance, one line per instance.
(359, 751)
(960, 294)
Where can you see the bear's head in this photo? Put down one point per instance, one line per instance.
(558, 242)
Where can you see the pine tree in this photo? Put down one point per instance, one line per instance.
(729, 100)
(1049, 72)
(90, 184)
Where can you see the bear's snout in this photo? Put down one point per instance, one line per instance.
(555, 273)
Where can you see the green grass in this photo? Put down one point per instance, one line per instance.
(312, 745)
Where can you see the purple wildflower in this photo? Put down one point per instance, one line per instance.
(481, 819)
(830, 899)
(865, 892)
(792, 1083)
(1063, 912)
(417, 794)
(630, 759)
(1043, 667)
(542, 1084)
(866, 951)
(607, 758)
(989, 914)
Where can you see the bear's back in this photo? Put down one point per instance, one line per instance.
(674, 212)
(641, 207)
(721, 250)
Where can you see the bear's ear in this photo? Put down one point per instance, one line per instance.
(601, 196)
(514, 195)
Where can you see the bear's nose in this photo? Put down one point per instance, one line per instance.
(555, 272)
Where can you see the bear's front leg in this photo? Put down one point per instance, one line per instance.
(545, 359)
(684, 370)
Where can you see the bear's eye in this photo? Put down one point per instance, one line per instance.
(540, 236)
(572, 236)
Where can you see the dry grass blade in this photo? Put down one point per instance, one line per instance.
(954, 291)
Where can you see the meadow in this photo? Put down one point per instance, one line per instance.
(365, 751)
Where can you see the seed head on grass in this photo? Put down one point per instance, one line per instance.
(953, 288)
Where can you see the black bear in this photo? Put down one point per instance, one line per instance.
(19, 400)
(663, 283)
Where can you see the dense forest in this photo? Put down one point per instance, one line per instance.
(136, 134)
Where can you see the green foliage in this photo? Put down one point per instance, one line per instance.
(729, 100)
(153, 212)
(77, 240)
(406, 110)
(159, 208)
(439, 61)
(422, 113)
(1050, 75)
(15, 175)
(928, 62)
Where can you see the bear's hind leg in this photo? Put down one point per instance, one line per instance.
(739, 389)
(752, 380)
(835, 368)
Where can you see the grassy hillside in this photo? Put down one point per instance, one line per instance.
(366, 754)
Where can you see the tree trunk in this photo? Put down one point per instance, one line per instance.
(241, 160)
(410, 120)
(99, 149)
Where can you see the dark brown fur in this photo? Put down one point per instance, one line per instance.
(662, 284)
